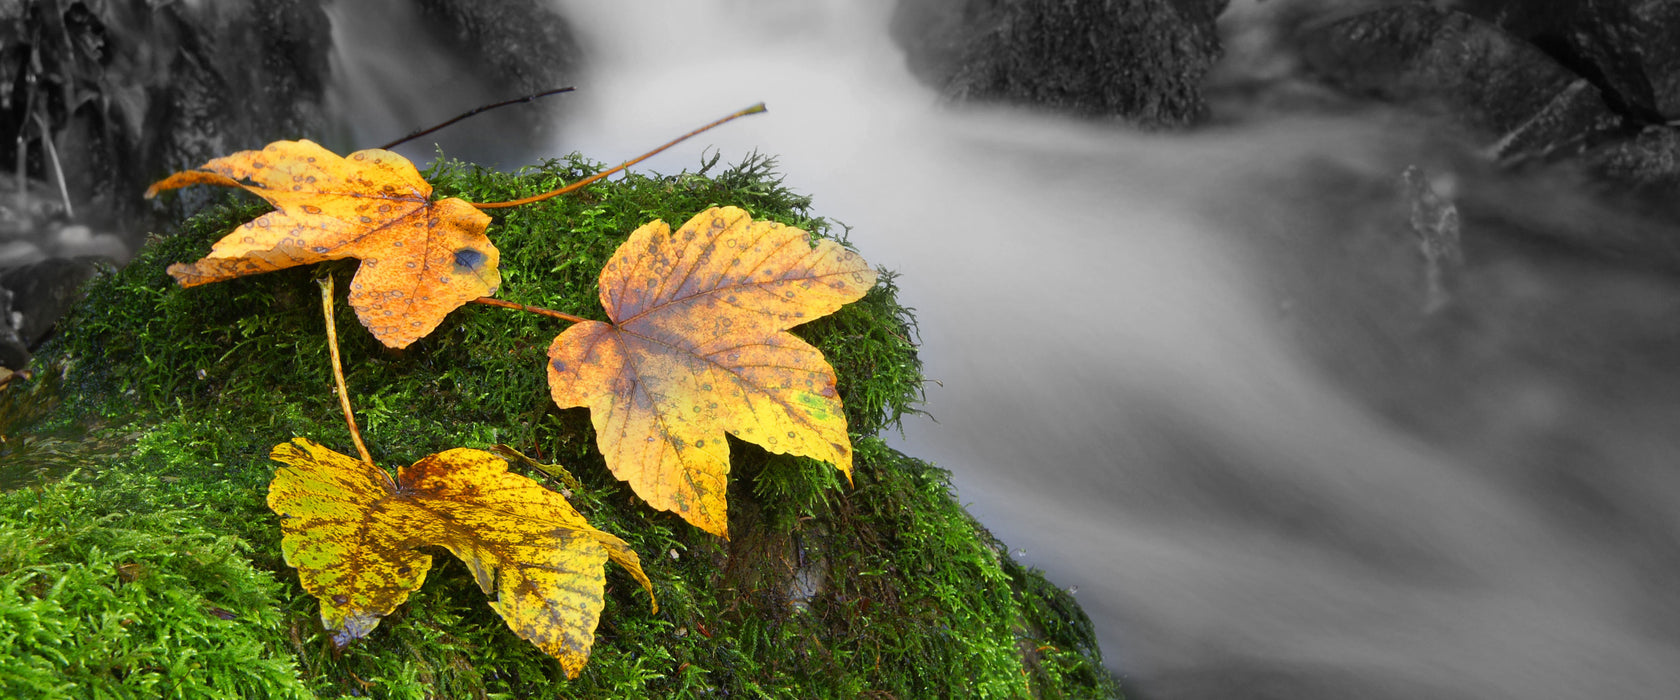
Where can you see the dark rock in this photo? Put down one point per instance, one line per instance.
(43, 291)
(1643, 171)
(14, 353)
(1521, 103)
(1661, 54)
(526, 45)
(1139, 60)
(1612, 43)
(130, 90)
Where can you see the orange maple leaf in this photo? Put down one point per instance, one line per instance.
(698, 347)
(352, 534)
(420, 259)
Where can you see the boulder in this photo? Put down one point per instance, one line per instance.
(1509, 95)
(151, 419)
(1139, 61)
(1626, 49)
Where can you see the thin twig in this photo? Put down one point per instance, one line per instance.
(476, 110)
(755, 109)
(492, 301)
(338, 368)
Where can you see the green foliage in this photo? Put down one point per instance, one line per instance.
(99, 600)
(881, 589)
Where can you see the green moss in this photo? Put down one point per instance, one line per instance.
(171, 399)
(102, 594)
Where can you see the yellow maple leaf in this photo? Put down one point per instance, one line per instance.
(698, 347)
(351, 533)
(420, 259)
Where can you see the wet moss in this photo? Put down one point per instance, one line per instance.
(169, 401)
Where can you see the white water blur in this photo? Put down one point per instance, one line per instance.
(1113, 398)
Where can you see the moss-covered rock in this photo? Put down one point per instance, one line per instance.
(138, 558)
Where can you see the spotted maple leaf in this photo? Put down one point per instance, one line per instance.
(353, 534)
(420, 258)
(698, 347)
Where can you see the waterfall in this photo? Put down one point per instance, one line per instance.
(1115, 398)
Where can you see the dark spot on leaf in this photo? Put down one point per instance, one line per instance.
(468, 260)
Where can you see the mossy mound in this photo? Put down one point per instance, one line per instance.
(141, 561)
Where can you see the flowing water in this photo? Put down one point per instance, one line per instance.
(1115, 397)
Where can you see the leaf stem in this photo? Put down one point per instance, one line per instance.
(470, 112)
(492, 301)
(338, 368)
(755, 109)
